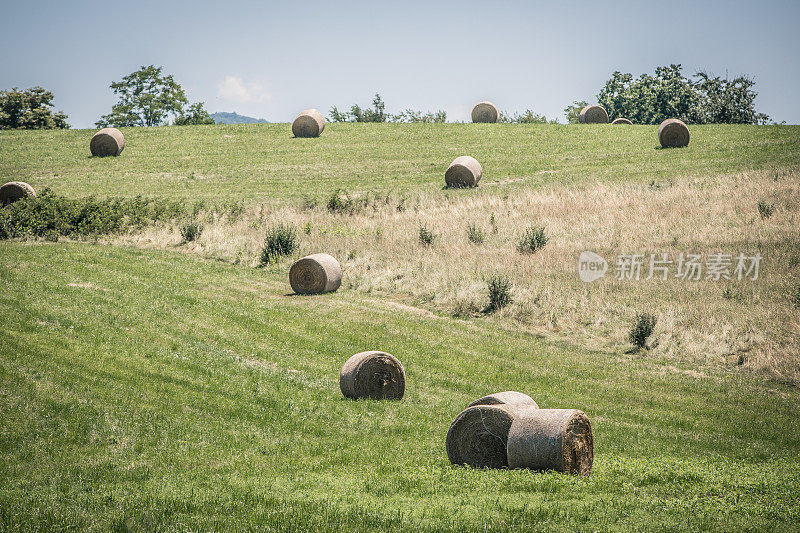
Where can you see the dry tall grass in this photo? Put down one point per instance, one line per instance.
(700, 323)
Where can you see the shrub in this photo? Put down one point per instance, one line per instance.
(191, 231)
(340, 202)
(426, 236)
(499, 292)
(475, 234)
(765, 209)
(281, 240)
(643, 326)
(532, 240)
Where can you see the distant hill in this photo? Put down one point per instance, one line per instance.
(235, 118)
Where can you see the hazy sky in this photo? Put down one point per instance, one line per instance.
(273, 59)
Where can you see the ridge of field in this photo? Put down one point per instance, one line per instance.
(262, 162)
(152, 390)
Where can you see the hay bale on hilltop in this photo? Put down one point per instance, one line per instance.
(485, 112)
(673, 133)
(108, 141)
(464, 171)
(15, 190)
(309, 123)
(551, 439)
(373, 374)
(315, 274)
(593, 114)
(621, 121)
(505, 398)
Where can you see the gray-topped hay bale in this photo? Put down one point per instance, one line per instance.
(314, 274)
(478, 436)
(673, 133)
(373, 374)
(108, 141)
(15, 190)
(621, 121)
(485, 112)
(309, 123)
(551, 439)
(593, 114)
(505, 398)
(464, 171)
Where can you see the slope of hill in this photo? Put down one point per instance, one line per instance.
(222, 117)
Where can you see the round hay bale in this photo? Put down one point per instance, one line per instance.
(485, 112)
(376, 375)
(314, 274)
(551, 439)
(621, 121)
(15, 190)
(309, 123)
(673, 133)
(593, 114)
(479, 435)
(505, 398)
(464, 171)
(108, 141)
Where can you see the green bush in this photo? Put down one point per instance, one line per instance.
(475, 234)
(191, 231)
(281, 240)
(643, 326)
(499, 292)
(426, 236)
(765, 209)
(532, 240)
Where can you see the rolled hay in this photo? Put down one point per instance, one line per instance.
(479, 435)
(376, 375)
(464, 171)
(505, 398)
(315, 274)
(593, 114)
(621, 121)
(551, 439)
(485, 112)
(15, 190)
(673, 133)
(309, 123)
(108, 141)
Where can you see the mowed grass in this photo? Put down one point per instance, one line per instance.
(150, 390)
(258, 163)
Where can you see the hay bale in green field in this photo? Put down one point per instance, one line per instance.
(505, 398)
(593, 114)
(479, 434)
(621, 121)
(106, 142)
(673, 133)
(551, 439)
(464, 171)
(485, 112)
(15, 190)
(309, 123)
(315, 274)
(373, 374)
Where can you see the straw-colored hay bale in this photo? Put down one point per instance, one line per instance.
(551, 439)
(376, 375)
(593, 114)
(309, 123)
(314, 274)
(505, 398)
(621, 121)
(15, 190)
(485, 112)
(479, 434)
(108, 141)
(673, 133)
(464, 171)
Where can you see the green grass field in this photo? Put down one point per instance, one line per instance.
(159, 389)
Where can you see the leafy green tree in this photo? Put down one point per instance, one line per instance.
(29, 109)
(195, 114)
(728, 101)
(376, 113)
(572, 112)
(146, 98)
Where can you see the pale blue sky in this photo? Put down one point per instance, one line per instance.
(273, 59)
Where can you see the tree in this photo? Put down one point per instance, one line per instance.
(194, 115)
(146, 98)
(356, 114)
(30, 109)
(410, 115)
(571, 112)
(728, 101)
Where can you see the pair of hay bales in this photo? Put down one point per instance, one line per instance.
(509, 430)
(14, 191)
(309, 123)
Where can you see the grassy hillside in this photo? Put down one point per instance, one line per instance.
(147, 390)
(258, 163)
